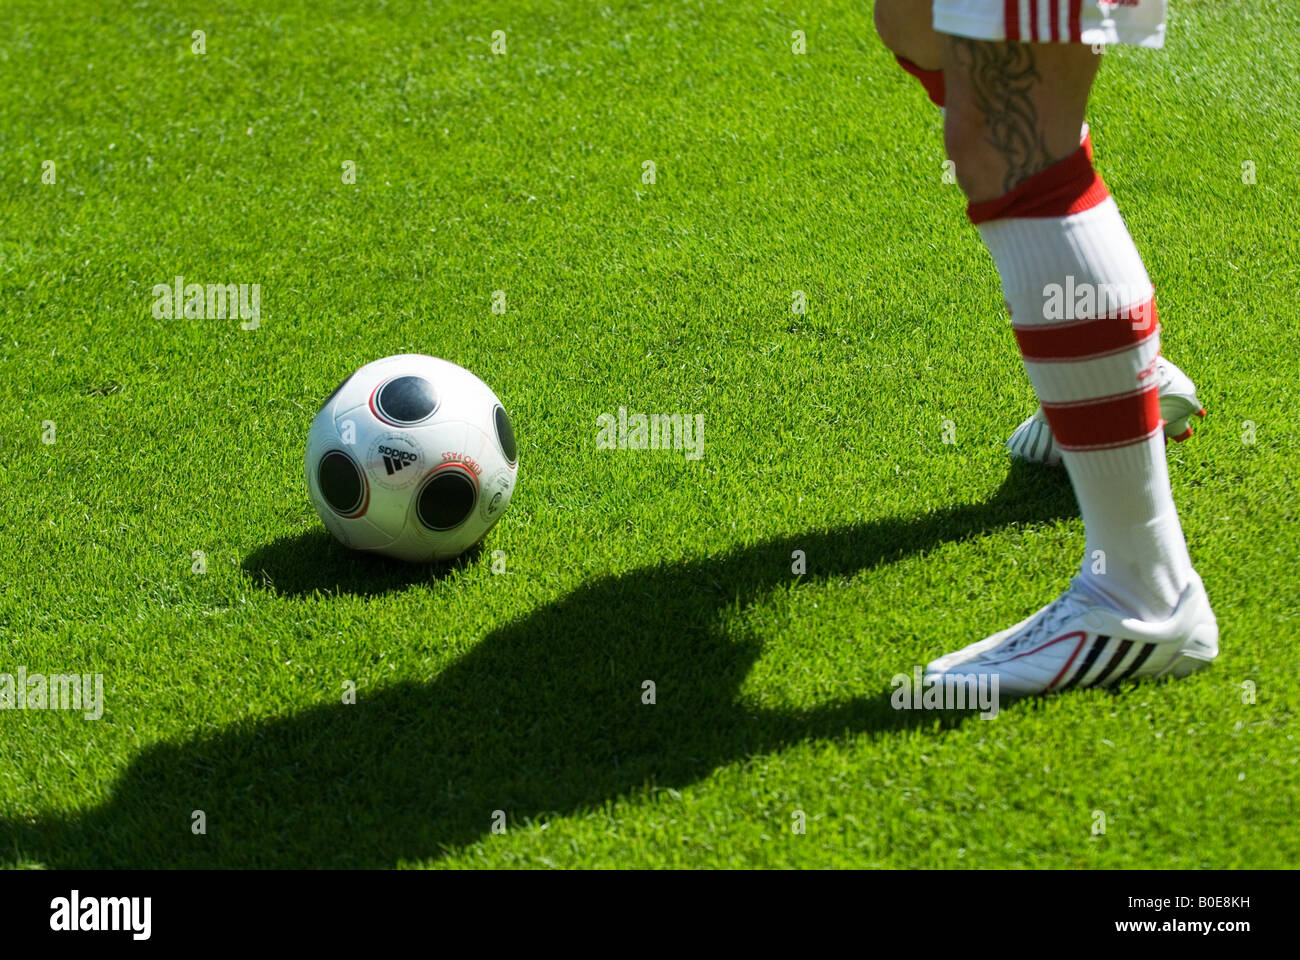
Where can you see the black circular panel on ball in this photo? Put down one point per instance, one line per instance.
(505, 434)
(407, 399)
(341, 483)
(446, 499)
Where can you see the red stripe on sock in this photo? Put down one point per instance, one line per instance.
(1076, 34)
(932, 80)
(1033, 21)
(1056, 21)
(1105, 422)
(1067, 186)
(1011, 14)
(1082, 339)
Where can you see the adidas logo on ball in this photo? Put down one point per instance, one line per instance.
(395, 460)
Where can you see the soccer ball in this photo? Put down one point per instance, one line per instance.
(412, 457)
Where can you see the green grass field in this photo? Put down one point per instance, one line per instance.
(521, 691)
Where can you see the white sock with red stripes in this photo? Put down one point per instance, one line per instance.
(1083, 312)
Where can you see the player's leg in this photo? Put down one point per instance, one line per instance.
(1056, 79)
(1014, 109)
(904, 26)
(1136, 608)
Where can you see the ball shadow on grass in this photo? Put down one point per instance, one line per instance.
(314, 561)
(544, 716)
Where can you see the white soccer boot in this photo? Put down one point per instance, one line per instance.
(1077, 641)
(1033, 442)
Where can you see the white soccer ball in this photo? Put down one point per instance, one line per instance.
(412, 457)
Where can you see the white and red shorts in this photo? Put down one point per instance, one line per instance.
(1093, 22)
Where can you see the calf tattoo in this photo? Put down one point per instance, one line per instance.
(1001, 78)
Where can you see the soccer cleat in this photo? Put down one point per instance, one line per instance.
(1077, 641)
(1178, 403)
(1032, 441)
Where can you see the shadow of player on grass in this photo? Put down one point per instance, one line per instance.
(416, 770)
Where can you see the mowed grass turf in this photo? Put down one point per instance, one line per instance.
(521, 691)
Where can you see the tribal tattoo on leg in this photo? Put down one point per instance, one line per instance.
(1002, 75)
